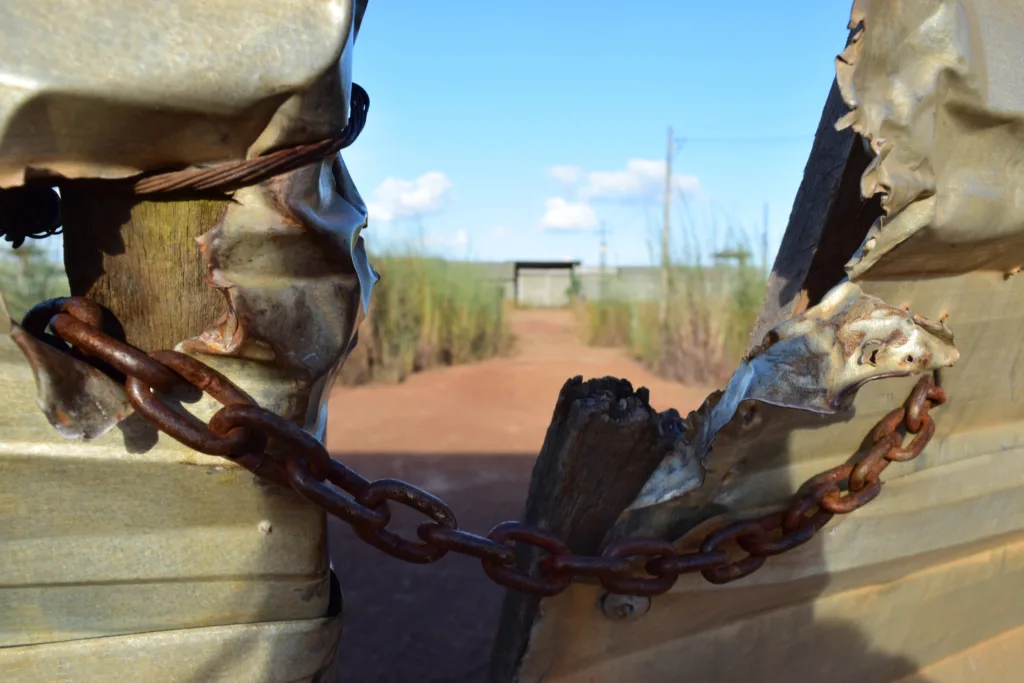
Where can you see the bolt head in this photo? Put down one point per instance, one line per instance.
(624, 607)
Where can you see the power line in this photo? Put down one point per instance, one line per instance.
(753, 140)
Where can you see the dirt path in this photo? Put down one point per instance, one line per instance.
(468, 434)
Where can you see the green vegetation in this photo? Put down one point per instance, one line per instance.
(709, 312)
(28, 276)
(426, 312)
(608, 322)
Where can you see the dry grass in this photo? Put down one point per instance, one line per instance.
(426, 312)
(709, 314)
(28, 277)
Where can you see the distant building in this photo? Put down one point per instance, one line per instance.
(546, 284)
(543, 284)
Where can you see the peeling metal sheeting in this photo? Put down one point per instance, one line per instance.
(125, 91)
(290, 261)
(813, 362)
(109, 88)
(683, 469)
(79, 401)
(936, 88)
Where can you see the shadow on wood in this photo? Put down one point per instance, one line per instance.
(603, 443)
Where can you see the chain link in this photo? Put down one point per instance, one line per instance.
(230, 176)
(242, 431)
(31, 210)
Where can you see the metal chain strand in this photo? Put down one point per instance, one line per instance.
(33, 210)
(234, 175)
(244, 432)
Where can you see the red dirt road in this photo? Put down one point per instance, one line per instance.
(468, 434)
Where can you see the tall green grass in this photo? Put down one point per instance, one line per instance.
(427, 312)
(27, 277)
(710, 311)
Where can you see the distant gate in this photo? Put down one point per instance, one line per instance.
(544, 284)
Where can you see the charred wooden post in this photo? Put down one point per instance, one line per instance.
(827, 223)
(603, 443)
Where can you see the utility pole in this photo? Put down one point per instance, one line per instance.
(764, 243)
(665, 260)
(604, 258)
(604, 245)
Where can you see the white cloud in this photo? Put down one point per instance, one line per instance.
(641, 179)
(500, 231)
(560, 214)
(400, 198)
(569, 175)
(459, 239)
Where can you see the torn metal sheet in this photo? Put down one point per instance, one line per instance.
(106, 89)
(79, 401)
(288, 255)
(936, 88)
(814, 362)
(200, 541)
(683, 469)
(290, 261)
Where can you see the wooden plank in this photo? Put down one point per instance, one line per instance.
(139, 258)
(603, 443)
(360, 10)
(827, 223)
(812, 208)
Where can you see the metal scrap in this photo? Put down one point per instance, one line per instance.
(287, 255)
(814, 362)
(934, 88)
(290, 261)
(120, 98)
(78, 400)
(816, 359)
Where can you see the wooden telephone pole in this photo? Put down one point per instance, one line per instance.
(665, 259)
(764, 243)
(604, 261)
(604, 246)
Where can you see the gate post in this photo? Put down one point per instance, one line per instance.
(603, 443)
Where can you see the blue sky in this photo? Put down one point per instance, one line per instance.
(512, 130)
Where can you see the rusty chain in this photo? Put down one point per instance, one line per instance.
(233, 175)
(33, 210)
(241, 430)
(28, 211)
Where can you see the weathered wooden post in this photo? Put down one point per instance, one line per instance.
(138, 257)
(603, 443)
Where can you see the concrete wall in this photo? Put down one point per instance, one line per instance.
(547, 287)
(543, 288)
(632, 284)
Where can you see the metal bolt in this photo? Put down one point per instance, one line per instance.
(624, 607)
